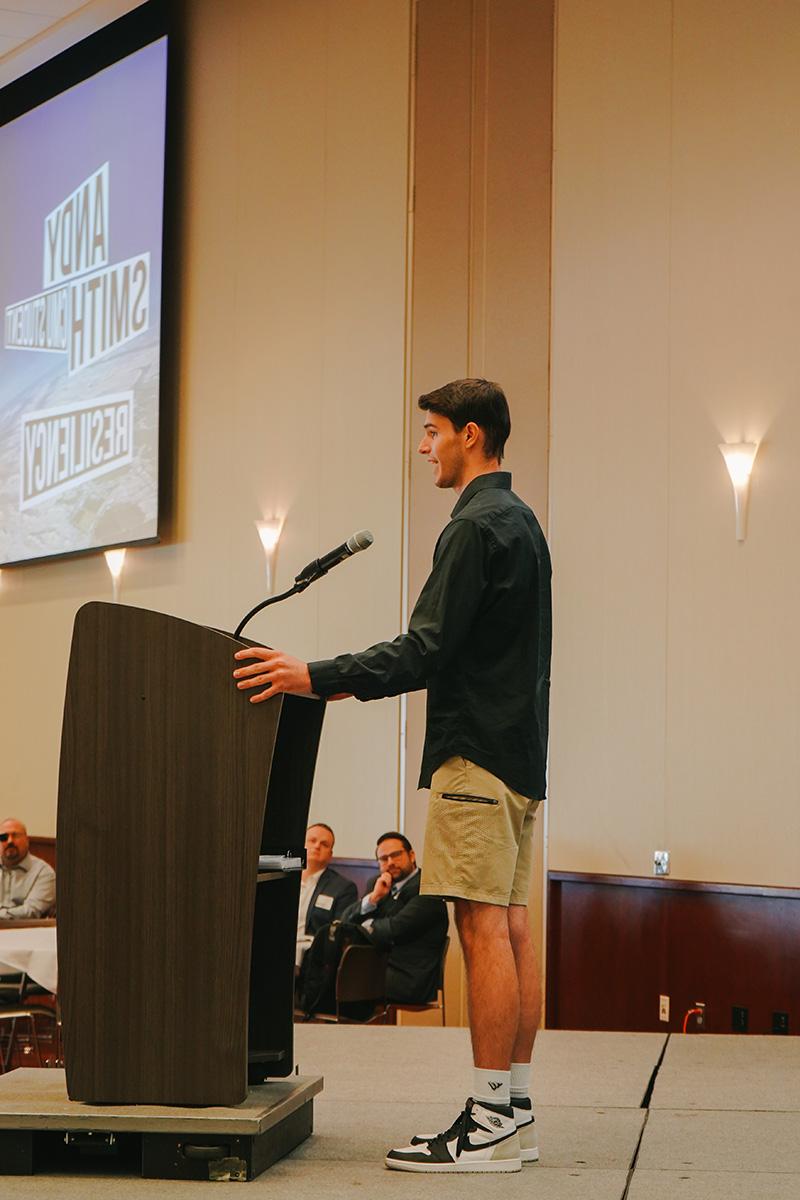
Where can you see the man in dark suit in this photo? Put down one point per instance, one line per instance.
(324, 893)
(395, 917)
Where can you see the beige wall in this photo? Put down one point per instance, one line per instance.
(305, 336)
(674, 327)
(291, 383)
(675, 317)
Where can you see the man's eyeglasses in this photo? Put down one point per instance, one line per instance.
(5, 836)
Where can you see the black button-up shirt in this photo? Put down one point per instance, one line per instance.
(478, 639)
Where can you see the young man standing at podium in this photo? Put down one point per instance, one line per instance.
(479, 641)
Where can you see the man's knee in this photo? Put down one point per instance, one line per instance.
(519, 923)
(519, 926)
(476, 922)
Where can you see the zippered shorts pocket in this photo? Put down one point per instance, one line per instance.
(467, 798)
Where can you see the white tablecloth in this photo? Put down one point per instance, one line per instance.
(33, 951)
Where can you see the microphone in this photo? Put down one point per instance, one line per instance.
(315, 570)
(320, 566)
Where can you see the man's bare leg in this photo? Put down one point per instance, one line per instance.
(492, 983)
(488, 1135)
(529, 982)
(530, 1007)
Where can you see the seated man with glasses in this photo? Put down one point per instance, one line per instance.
(395, 917)
(27, 883)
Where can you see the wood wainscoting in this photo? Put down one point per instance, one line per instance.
(43, 847)
(616, 944)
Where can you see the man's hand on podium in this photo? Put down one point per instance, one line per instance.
(275, 672)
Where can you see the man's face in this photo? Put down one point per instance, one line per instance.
(443, 446)
(15, 846)
(319, 848)
(393, 857)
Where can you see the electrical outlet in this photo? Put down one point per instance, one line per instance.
(780, 1022)
(700, 1018)
(663, 1008)
(661, 862)
(739, 1019)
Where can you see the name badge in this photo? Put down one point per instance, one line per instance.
(325, 902)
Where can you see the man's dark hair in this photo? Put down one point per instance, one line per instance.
(475, 400)
(398, 837)
(321, 825)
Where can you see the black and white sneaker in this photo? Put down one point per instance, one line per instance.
(526, 1128)
(483, 1138)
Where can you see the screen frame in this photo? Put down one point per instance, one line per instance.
(148, 23)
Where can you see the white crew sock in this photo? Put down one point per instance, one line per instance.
(520, 1075)
(491, 1086)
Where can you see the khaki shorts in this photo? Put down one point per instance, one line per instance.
(479, 837)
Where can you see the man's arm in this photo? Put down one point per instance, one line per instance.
(354, 914)
(441, 621)
(415, 918)
(347, 896)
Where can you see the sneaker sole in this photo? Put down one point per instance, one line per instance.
(494, 1165)
(527, 1156)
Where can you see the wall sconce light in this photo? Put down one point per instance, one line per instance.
(115, 560)
(270, 533)
(739, 458)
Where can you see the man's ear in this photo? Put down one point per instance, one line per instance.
(473, 436)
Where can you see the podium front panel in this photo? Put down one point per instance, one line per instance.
(164, 774)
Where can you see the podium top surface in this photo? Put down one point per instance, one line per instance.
(32, 1098)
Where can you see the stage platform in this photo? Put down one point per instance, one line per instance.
(621, 1117)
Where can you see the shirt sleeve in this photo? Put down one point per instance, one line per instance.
(421, 914)
(343, 902)
(439, 624)
(41, 898)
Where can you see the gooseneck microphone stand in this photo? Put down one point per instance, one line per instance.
(314, 571)
(300, 585)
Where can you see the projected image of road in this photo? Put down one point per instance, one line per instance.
(81, 212)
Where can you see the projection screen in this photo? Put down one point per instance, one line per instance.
(81, 216)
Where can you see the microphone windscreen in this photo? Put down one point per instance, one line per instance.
(360, 541)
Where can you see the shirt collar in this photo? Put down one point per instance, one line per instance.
(315, 878)
(493, 479)
(397, 886)
(23, 864)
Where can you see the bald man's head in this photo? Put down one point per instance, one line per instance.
(13, 842)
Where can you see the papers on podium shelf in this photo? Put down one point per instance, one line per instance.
(279, 862)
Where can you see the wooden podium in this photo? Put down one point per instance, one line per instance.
(176, 956)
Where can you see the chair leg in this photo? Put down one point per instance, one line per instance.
(9, 1050)
(7, 1053)
(35, 1040)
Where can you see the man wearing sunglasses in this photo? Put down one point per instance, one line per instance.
(27, 883)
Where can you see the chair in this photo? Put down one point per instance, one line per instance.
(12, 989)
(47, 1016)
(360, 979)
(18, 988)
(437, 1005)
(12, 1016)
(19, 993)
